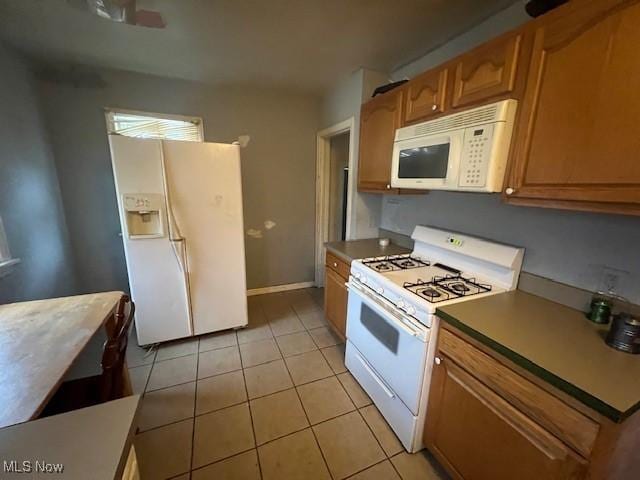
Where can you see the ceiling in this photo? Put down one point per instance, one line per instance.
(303, 44)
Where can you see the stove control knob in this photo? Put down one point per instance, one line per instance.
(400, 304)
(363, 279)
(380, 290)
(410, 310)
(356, 275)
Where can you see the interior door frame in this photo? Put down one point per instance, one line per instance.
(323, 163)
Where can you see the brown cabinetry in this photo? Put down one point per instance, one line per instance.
(487, 420)
(578, 140)
(335, 293)
(426, 95)
(478, 435)
(379, 119)
(487, 72)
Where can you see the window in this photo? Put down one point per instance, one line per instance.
(152, 125)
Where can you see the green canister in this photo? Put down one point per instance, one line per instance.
(600, 311)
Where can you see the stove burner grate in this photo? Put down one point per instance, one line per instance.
(441, 288)
(394, 262)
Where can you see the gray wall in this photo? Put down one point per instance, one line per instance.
(278, 167)
(30, 202)
(569, 247)
(341, 103)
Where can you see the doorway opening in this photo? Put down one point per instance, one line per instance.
(335, 188)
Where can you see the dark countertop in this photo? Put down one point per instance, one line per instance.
(91, 442)
(355, 249)
(555, 343)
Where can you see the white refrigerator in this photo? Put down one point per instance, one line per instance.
(180, 207)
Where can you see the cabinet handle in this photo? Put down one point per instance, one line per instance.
(434, 107)
(438, 360)
(510, 191)
(335, 265)
(388, 187)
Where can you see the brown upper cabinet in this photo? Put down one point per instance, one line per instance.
(577, 142)
(426, 95)
(486, 72)
(379, 119)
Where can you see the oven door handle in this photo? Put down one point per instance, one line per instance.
(386, 307)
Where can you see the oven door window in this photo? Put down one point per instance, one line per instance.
(379, 328)
(429, 161)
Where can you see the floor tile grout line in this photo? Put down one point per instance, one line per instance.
(193, 424)
(326, 464)
(253, 427)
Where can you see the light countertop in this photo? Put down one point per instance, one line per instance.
(91, 442)
(356, 249)
(557, 344)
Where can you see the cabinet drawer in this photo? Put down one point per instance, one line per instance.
(569, 425)
(339, 266)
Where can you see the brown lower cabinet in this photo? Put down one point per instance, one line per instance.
(487, 422)
(335, 293)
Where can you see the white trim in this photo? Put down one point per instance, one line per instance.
(7, 266)
(279, 288)
(322, 186)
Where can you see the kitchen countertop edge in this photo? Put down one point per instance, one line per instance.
(545, 375)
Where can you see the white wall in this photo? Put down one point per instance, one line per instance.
(278, 167)
(30, 202)
(569, 247)
(339, 104)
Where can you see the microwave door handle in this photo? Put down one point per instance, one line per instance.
(385, 310)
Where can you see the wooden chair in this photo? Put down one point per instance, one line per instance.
(111, 383)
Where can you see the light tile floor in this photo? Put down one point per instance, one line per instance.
(273, 401)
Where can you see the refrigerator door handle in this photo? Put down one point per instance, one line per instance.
(178, 242)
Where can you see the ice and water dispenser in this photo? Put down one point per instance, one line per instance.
(144, 213)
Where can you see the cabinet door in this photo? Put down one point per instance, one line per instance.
(335, 301)
(487, 72)
(578, 139)
(477, 435)
(379, 119)
(426, 95)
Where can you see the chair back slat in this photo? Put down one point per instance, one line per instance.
(114, 353)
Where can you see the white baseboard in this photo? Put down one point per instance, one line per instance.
(279, 288)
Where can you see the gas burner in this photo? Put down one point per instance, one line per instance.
(430, 292)
(391, 263)
(462, 286)
(459, 287)
(446, 287)
(382, 267)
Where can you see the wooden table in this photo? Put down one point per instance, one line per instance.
(39, 342)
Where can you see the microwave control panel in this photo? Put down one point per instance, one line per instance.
(476, 151)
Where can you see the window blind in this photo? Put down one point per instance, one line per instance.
(148, 126)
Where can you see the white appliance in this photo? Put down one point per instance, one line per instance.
(465, 151)
(392, 323)
(180, 209)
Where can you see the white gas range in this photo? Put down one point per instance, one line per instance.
(392, 322)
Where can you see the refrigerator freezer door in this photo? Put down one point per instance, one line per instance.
(155, 279)
(205, 191)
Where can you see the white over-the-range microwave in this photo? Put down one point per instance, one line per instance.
(465, 151)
